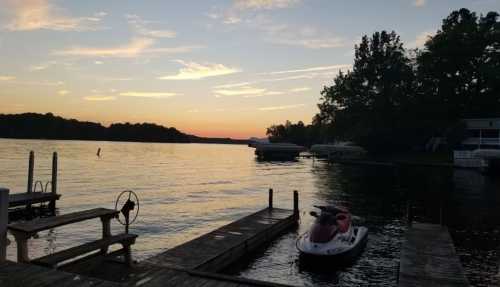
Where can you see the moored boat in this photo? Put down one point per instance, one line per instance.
(277, 151)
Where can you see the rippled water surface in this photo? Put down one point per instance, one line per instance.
(189, 189)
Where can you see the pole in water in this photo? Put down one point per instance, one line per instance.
(270, 198)
(296, 204)
(53, 183)
(99, 152)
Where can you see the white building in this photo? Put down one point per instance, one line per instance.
(481, 145)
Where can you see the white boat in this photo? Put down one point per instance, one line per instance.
(283, 151)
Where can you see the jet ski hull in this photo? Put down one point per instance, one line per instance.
(339, 247)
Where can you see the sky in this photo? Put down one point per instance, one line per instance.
(212, 68)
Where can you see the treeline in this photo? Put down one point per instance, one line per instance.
(48, 126)
(396, 99)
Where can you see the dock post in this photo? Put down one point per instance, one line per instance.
(409, 213)
(53, 184)
(31, 167)
(296, 204)
(4, 219)
(270, 198)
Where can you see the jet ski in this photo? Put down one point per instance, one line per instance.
(332, 235)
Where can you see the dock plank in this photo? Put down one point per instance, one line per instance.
(428, 258)
(218, 249)
(52, 260)
(14, 274)
(21, 199)
(41, 224)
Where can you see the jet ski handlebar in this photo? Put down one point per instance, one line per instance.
(330, 209)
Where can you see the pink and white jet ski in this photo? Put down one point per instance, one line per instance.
(332, 234)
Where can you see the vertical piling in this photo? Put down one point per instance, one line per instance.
(4, 218)
(296, 204)
(270, 198)
(31, 167)
(409, 213)
(53, 184)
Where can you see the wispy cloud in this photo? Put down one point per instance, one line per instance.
(135, 48)
(298, 90)
(235, 85)
(30, 15)
(7, 78)
(277, 108)
(62, 92)
(246, 91)
(196, 71)
(263, 4)
(100, 14)
(14, 81)
(321, 72)
(111, 79)
(421, 38)
(311, 43)
(100, 98)
(141, 27)
(306, 37)
(236, 12)
(132, 49)
(419, 3)
(311, 69)
(149, 94)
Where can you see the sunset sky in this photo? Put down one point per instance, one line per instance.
(210, 68)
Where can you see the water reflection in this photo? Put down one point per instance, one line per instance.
(369, 194)
(188, 190)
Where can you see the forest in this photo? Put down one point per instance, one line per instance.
(49, 126)
(397, 99)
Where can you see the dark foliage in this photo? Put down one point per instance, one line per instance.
(394, 99)
(295, 133)
(48, 126)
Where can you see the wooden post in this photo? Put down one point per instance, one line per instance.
(31, 167)
(296, 204)
(53, 184)
(4, 219)
(106, 231)
(270, 198)
(22, 246)
(409, 213)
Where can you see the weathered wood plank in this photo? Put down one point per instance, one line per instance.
(40, 224)
(52, 260)
(428, 258)
(217, 249)
(18, 274)
(21, 199)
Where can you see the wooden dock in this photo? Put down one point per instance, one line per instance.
(21, 203)
(428, 258)
(14, 274)
(194, 263)
(20, 274)
(218, 249)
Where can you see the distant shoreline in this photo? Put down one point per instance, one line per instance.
(51, 127)
(231, 142)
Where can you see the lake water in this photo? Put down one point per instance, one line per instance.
(189, 189)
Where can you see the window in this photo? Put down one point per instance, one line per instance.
(490, 133)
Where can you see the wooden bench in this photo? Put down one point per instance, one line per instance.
(25, 230)
(21, 199)
(52, 260)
